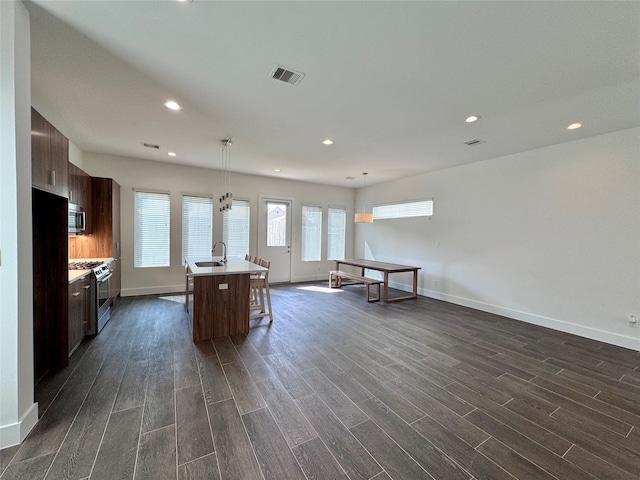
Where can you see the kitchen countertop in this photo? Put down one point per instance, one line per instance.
(77, 274)
(234, 266)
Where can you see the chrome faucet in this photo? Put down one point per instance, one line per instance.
(224, 251)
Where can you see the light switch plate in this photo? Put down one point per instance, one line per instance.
(223, 286)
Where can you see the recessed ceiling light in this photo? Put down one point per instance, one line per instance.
(185, 1)
(171, 154)
(171, 105)
(574, 126)
(276, 169)
(472, 118)
(327, 141)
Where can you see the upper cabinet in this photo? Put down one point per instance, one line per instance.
(106, 217)
(79, 186)
(49, 157)
(80, 192)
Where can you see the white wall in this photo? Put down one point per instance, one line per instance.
(550, 236)
(75, 155)
(18, 412)
(134, 173)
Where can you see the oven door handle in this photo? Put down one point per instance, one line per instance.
(104, 279)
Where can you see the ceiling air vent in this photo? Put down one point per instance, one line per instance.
(476, 141)
(151, 145)
(286, 75)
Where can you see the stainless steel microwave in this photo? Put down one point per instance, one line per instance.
(77, 219)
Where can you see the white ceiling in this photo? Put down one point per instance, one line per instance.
(390, 82)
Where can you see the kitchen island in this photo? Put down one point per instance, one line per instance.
(220, 305)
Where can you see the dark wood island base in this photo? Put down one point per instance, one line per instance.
(220, 306)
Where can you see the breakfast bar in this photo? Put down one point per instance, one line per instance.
(386, 269)
(220, 296)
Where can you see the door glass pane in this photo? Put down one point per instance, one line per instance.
(276, 224)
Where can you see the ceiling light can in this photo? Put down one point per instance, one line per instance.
(172, 105)
(327, 141)
(472, 118)
(574, 126)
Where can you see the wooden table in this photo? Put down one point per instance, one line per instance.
(386, 269)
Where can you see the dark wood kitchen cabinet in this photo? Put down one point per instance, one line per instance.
(79, 310)
(49, 157)
(104, 240)
(80, 192)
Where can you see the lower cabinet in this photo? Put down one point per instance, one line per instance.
(220, 306)
(79, 310)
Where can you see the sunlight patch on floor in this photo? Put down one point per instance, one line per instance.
(174, 298)
(320, 289)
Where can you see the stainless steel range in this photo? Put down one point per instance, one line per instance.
(100, 304)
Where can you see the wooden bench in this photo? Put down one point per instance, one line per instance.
(336, 276)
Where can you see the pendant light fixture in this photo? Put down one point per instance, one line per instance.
(364, 217)
(226, 200)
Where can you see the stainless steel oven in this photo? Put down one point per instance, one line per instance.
(103, 303)
(100, 301)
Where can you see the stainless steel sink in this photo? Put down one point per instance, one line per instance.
(209, 264)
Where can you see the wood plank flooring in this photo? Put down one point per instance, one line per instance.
(336, 388)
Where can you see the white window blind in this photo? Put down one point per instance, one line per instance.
(152, 229)
(422, 208)
(197, 226)
(311, 233)
(236, 228)
(337, 221)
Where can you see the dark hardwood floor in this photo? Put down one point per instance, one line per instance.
(335, 388)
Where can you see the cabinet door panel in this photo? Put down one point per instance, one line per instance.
(49, 157)
(40, 142)
(60, 162)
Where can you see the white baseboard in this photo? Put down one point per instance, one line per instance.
(15, 433)
(134, 292)
(311, 278)
(553, 323)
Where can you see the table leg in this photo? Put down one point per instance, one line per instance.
(386, 287)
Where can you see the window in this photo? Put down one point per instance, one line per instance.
(422, 208)
(276, 224)
(336, 233)
(152, 230)
(197, 226)
(236, 228)
(311, 233)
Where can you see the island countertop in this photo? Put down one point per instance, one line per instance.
(234, 266)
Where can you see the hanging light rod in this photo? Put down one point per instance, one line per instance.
(364, 217)
(226, 200)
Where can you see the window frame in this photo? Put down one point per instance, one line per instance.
(139, 256)
(390, 216)
(225, 238)
(182, 233)
(303, 236)
(344, 231)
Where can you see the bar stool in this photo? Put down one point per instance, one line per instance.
(260, 290)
